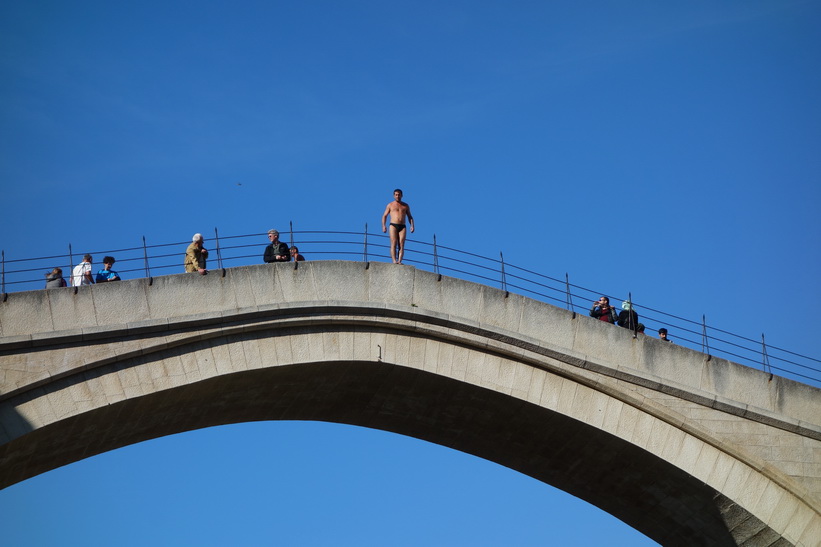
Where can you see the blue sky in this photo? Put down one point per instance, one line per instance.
(669, 150)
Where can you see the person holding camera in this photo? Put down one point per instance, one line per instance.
(603, 311)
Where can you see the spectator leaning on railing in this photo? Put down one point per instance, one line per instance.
(276, 251)
(81, 275)
(196, 256)
(54, 279)
(107, 274)
(295, 254)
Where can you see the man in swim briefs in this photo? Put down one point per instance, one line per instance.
(398, 210)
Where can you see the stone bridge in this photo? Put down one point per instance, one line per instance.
(689, 450)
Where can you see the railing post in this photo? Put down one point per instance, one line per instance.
(634, 326)
(704, 340)
(765, 359)
(504, 281)
(291, 228)
(365, 256)
(70, 267)
(3, 260)
(147, 269)
(436, 260)
(219, 252)
(569, 296)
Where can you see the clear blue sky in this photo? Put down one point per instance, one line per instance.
(667, 149)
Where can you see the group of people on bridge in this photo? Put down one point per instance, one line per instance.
(196, 255)
(401, 219)
(627, 317)
(81, 274)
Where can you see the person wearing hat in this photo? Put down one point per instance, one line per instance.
(663, 334)
(276, 251)
(628, 318)
(107, 274)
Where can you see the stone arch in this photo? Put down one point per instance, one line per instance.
(453, 387)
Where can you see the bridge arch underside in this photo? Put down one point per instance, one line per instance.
(434, 399)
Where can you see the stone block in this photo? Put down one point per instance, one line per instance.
(416, 353)
(499, 311)
(688, 453)
(706, 461)
(459, 363)
(772, 496)
(430, 358)
(392, 285)
(811, 532)
(642, 429)
(551, 390)
(24, 313)
(612, 414)
(523, 380)
(475, 369)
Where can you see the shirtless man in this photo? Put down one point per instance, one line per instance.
(398, 210)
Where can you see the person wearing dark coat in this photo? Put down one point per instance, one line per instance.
(628, 318)
(603, 311)
(276, 251)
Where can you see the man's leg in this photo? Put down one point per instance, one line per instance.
(402, 236)
(394, 242)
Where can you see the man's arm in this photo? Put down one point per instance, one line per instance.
(410, 219)
(269, 254)
(385, 217)
(283, 253)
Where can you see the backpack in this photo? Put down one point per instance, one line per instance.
(77, 275)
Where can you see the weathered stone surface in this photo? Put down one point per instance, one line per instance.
(688, 451)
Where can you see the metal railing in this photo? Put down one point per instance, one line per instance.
(240, 250)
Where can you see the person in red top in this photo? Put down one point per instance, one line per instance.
(603, 311)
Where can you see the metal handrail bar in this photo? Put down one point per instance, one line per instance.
(679, 328)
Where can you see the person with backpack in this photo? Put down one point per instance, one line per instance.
(81, 275)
